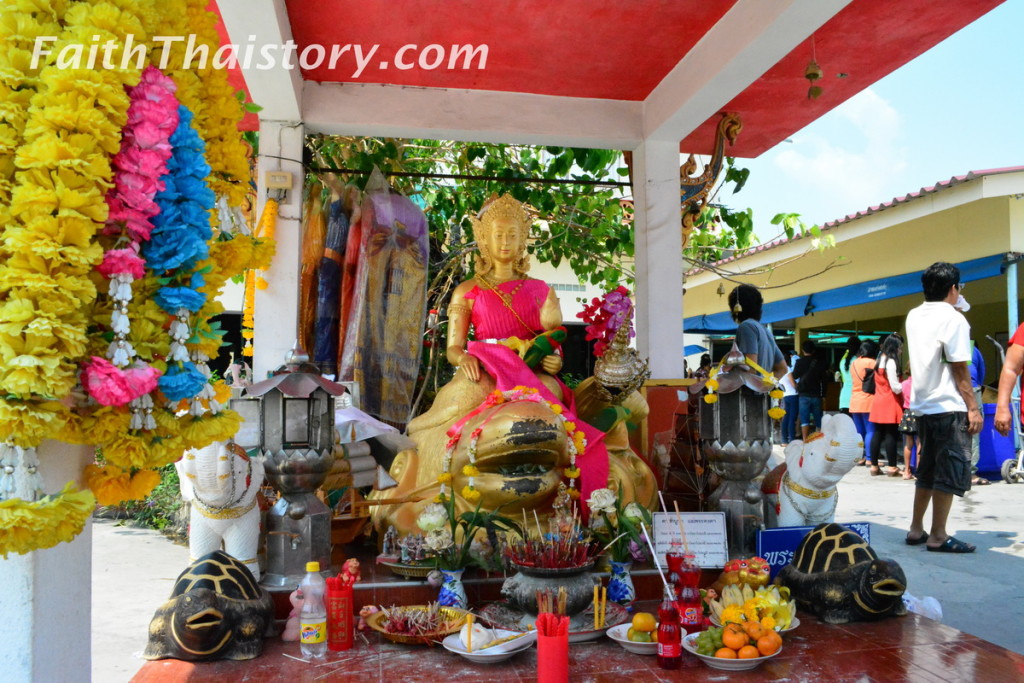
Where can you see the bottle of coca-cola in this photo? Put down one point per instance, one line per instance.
(674, 558)
(670, 634)
(691, 612)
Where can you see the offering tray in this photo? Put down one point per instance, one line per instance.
(581, 627)
(412, 571)
(458, 616)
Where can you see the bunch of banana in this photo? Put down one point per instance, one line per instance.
(773, 601)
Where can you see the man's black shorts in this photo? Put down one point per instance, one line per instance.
(944, 463)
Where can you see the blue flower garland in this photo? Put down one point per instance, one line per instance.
(178, 242)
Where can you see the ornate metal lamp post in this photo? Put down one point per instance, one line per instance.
(290, 419)
(736, 433)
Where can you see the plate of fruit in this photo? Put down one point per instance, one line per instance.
(770, 605)
(640, 636)
(734, 647)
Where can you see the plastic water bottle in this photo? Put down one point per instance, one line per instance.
(670, 636)
(313, 617)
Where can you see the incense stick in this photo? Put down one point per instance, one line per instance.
(654, 557)
(664, 508)
(682, 531)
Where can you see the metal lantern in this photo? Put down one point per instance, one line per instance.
(289, 418)
(735, 432)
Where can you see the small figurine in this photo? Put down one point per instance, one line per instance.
(364, 614)
(350, 572)
(291, 627)
(389, 551)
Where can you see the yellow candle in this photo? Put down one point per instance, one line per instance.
(596, 605)
(469, 634)
(604, 604)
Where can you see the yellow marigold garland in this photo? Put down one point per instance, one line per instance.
(51, 205)
(27, 526)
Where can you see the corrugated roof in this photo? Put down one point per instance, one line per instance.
(895, 201)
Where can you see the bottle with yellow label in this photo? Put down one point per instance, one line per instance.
(313, 617)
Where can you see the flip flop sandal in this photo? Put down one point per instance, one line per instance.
(875, 471)
(923, 538)
(894, 473)
(952, 545)
(980, 481)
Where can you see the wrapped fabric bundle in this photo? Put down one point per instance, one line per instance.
(325, 331)
(314, 231)
(384, 334)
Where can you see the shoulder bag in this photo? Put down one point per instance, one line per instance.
(867, 383)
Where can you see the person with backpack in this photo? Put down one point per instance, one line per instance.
(862, 368)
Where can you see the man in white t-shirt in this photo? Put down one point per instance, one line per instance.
(939, 345)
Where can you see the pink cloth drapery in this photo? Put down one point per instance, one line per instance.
(493, 320)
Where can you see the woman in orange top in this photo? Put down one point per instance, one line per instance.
(860, 403)
(887, 408)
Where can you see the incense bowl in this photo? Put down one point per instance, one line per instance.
(521, 589)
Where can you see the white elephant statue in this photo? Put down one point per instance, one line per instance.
(221, 483)
(807, 492)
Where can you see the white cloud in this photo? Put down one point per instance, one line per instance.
(861, 156)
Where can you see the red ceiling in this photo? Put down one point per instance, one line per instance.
(867, 40)
(574, 48)
(622, 50)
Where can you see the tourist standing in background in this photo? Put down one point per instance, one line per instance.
(809, 375)
(939, 342)
(846, 393)
(887, 408)
(791, 404)
(1012, 367)
(977, 382)
(860, 402)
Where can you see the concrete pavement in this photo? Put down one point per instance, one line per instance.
(134, 569)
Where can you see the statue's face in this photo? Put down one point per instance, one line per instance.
(505, 240)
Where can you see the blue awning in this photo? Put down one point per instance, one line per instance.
(693, 349)
(850, 295)
(771, 312)
(899, 285)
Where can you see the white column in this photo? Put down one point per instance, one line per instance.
(659, 257)
(277, 308)
(46, 601)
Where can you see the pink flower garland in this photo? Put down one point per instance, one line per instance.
(138, 167)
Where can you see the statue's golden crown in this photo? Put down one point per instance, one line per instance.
(506, 207)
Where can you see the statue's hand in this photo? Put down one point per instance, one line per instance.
(551, 364)
(471, 366)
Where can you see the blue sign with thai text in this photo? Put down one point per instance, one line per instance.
(777, 546)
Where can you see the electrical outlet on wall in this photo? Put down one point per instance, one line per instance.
(279, 180)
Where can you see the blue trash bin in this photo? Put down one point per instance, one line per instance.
(994, 447)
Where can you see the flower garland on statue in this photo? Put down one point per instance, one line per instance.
(605, 316)
(776, 412)
(575, 444)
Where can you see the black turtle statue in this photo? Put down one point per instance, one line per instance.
(216, 611)
(838, 577)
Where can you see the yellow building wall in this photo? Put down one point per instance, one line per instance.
(969, 231)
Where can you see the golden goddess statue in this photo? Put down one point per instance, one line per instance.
(505, 431)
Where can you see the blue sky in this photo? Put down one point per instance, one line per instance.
(958, 107)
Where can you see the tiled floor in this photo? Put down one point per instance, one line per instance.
(910, 648)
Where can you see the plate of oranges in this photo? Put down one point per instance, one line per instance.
(734, 647)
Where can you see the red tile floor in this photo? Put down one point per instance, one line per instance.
(910, 648)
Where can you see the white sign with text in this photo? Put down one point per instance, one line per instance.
(705, 536)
